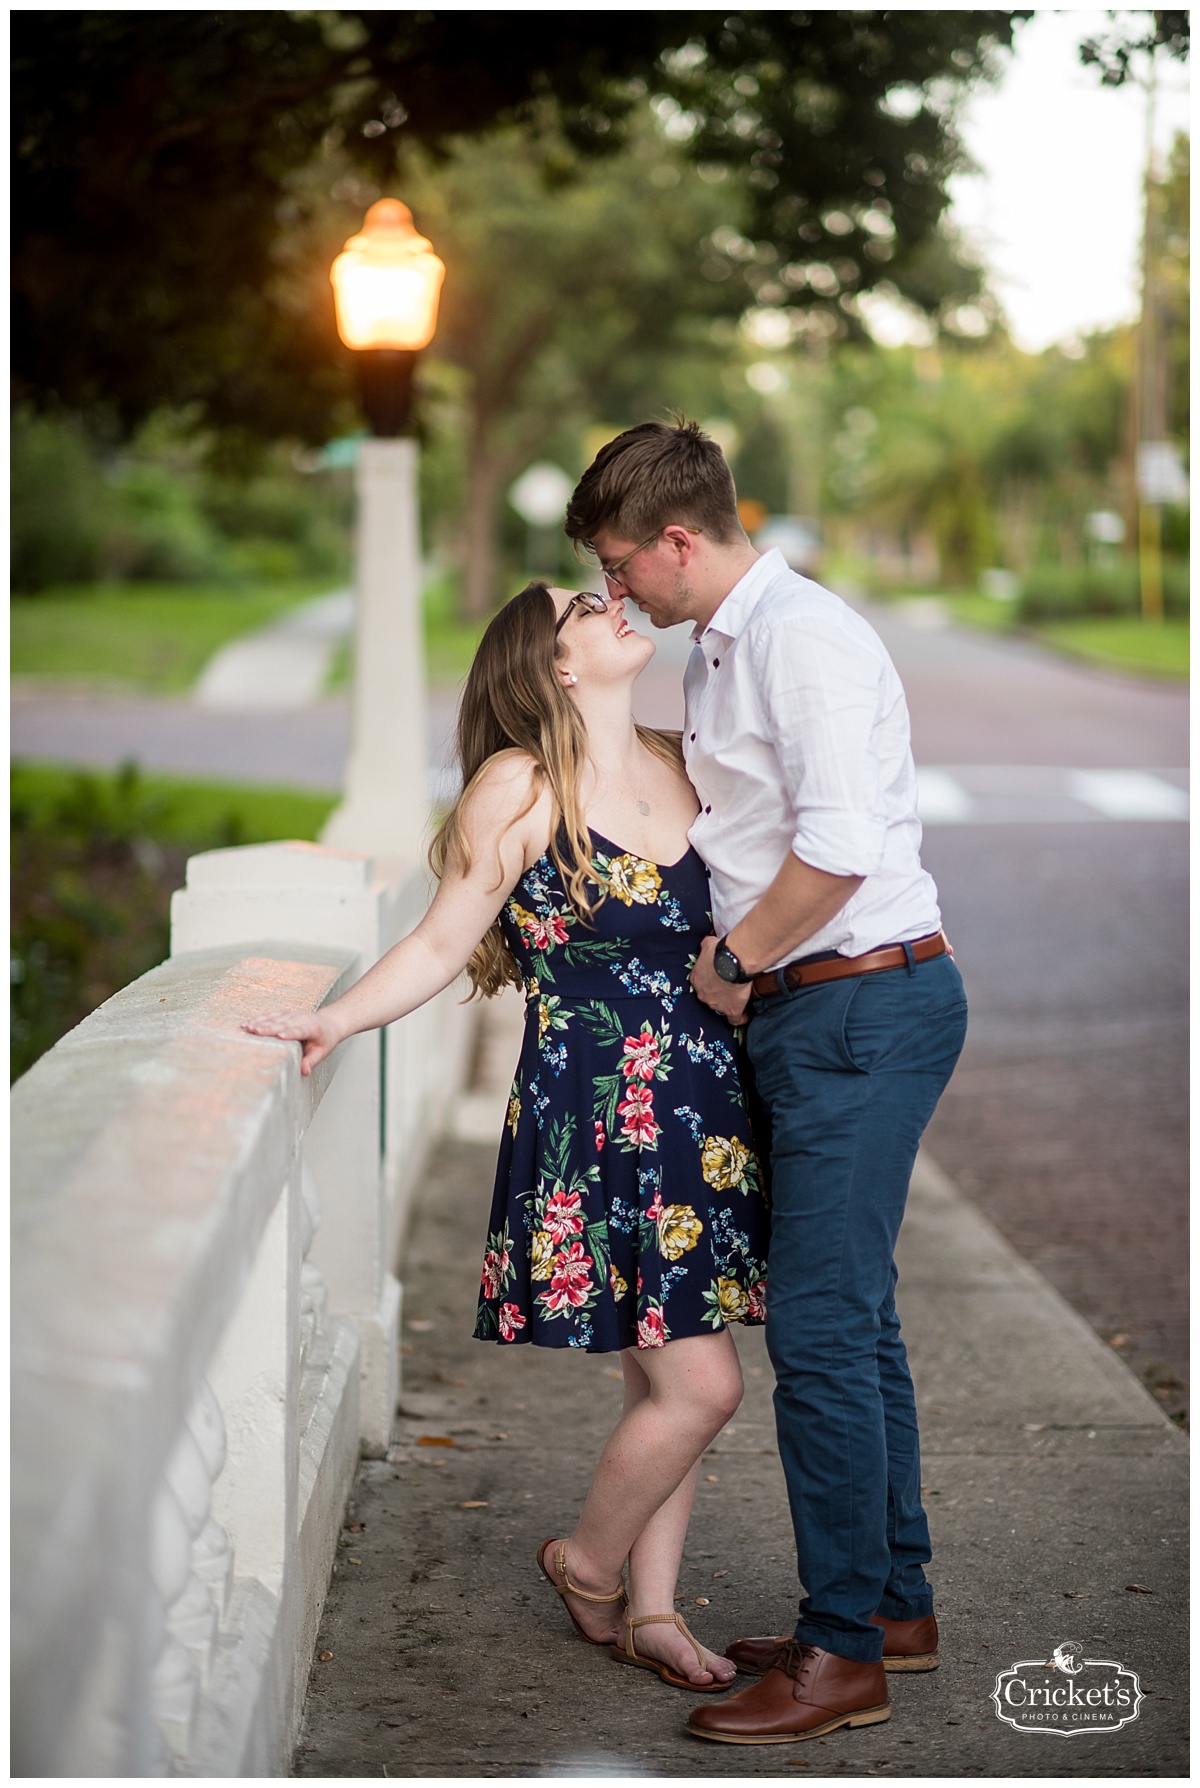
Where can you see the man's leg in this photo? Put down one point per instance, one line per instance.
(851, 1072)
(907, 1595)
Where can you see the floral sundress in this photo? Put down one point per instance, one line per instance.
(628, 1208)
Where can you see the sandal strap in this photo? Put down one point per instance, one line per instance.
(670, 1620)
(585, 1595)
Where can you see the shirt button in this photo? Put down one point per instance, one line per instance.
(693, 737)
(708, 873)
(708, 810)
(716, 662)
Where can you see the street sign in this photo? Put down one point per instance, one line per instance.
(1160, 474)
(540, 494)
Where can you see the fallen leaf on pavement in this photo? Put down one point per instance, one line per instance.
(434, 1440)
(472, 1505)
(325, 1657)
(1139, 1589)
(420, 1328)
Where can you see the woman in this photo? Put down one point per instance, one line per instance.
(627, 1213)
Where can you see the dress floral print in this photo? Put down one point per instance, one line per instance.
(628, 1209)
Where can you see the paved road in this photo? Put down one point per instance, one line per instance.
(1066, 1119)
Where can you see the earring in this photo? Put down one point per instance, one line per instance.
(572, 679)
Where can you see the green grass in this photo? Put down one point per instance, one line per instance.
(983, 612)
(1159, 650)
(153, 637)
(177, 811)
(967, 606)
(1122, 642)
(157, 638)
(450, 642)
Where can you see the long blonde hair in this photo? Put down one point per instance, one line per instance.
(513, 703)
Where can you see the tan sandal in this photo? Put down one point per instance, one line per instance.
(630, 1655)
(566, 1587)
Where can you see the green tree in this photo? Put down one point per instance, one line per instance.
(570, 285)
(160, 169)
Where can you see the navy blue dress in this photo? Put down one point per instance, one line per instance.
(628, 1208)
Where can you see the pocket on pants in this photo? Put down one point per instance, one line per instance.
(800, 1031)
(868, 1030)
(897, 1020)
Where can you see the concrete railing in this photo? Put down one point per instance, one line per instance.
(206, 1319)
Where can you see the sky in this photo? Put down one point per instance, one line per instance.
(1056, 210)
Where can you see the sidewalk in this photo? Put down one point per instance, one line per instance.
(283, 666)
(1052, 1479)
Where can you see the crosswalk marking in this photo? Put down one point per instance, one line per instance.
(941, 801)
(1024, 794)
(1129, 794)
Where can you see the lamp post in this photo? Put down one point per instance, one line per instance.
(386, 283)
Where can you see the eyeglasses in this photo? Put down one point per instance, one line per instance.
(589, 600)
(616, 573)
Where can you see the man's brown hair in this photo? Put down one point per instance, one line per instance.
(650, 476)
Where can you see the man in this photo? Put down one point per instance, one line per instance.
(828, 941)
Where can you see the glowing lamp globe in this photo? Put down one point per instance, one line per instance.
(386, 282)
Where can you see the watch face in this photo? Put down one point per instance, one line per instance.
(727, 964)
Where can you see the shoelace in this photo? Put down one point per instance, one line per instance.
(793, 1658)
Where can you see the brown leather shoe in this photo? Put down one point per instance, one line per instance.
(907, 1645)
(806, 1693)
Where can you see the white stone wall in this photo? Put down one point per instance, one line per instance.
(205, 1321)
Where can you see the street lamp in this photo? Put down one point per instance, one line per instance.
(386, 285)
(386, 282)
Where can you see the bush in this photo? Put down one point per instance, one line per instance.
(1062, 592)
(161, 513)
(160, 532)
(94, 861)
(91, 899)
(60, 508)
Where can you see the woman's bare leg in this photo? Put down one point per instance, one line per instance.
(654, 1561)
(677, 1399)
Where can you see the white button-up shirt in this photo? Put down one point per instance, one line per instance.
(797, 739)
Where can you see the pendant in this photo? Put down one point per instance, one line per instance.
(643, 806)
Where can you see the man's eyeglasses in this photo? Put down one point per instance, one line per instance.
(616, 573)
(588, 600)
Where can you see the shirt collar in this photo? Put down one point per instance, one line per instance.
(742, 600)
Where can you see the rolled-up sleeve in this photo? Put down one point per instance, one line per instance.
(821, 688)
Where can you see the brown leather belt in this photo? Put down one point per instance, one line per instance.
(837, 968)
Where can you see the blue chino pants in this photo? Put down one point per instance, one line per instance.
(846, 1077)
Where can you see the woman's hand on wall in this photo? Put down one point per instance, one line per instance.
(317, 1031)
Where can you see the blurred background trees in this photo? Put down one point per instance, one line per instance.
(638, 212)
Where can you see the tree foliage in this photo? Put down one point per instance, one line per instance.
(1113, 51)
(562, 294)
(163, 252)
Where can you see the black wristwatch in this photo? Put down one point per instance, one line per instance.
(728, 966)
